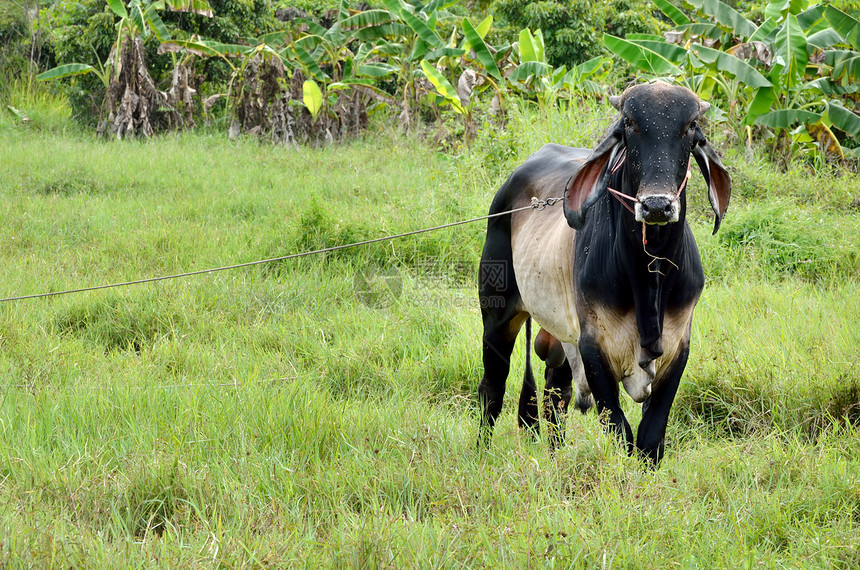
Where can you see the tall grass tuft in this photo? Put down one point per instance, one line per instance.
(30, 104)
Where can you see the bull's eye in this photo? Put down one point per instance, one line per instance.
(693, 126)
(630, 125)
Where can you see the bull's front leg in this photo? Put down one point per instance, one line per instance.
(655, 410)
(604, 389)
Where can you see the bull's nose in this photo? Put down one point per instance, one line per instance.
(656, 210)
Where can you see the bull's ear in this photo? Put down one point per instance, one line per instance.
(717, 178)
(584, 186)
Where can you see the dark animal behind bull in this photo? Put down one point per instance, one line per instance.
(612, 279)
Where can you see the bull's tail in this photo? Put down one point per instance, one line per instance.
(527, 416)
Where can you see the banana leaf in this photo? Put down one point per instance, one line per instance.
(421, 28)
(312, 97)
(726, 16)
(761, 104)
(392, 29)
(118, 8)
(434, 6)
(367, 19)
(443, 86)
(308, 62)
(825, 86)
(641, 57)
(200, 7)
(824, 39)
(157, 25)
(843, 119)
(675, 54)
(529, 69)
(527, 47)
(313, 27)
(274, 38)
(786, 118)
(136, 16)
(790, 47)
(419, 50)
(765, 32)
(744, 72)
(217, 48)
(845, 26)
(441, 52)
(825, 137)
(376, 69)
(812, 20)
(847, 70)
(482, 30)
(480, 48)
(67, 70)
(673, 13)
(702, 29)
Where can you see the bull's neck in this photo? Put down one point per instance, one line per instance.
(656, 254)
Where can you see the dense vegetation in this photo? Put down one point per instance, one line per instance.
(320, 411)
(785, 73)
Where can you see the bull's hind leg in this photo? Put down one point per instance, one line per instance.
(556, 400)
(583, 401)
(527, 414)
(500, 334)
(499, 297)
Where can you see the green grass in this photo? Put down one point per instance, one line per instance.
(297, 414)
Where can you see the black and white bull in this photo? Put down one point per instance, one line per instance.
(612, 277)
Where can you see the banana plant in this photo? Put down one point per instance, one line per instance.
(352, 66)
(257, 93)
(138, 19)
(844, 63)
(589, 76)
(402, 35)
(125, 68)
(791, 75)
(330, 74)
(481, 70)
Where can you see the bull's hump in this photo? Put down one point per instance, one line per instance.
(545, 173)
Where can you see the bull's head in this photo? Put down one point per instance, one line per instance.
(651, 144)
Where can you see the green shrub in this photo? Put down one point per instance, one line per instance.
(13, 31)
(82, 32)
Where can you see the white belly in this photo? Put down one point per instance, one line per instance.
(543, 255)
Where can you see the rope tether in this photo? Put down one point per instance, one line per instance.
(535, 205)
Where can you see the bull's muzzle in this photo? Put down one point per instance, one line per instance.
(657, 209)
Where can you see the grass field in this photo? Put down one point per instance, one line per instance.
(321, 411)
